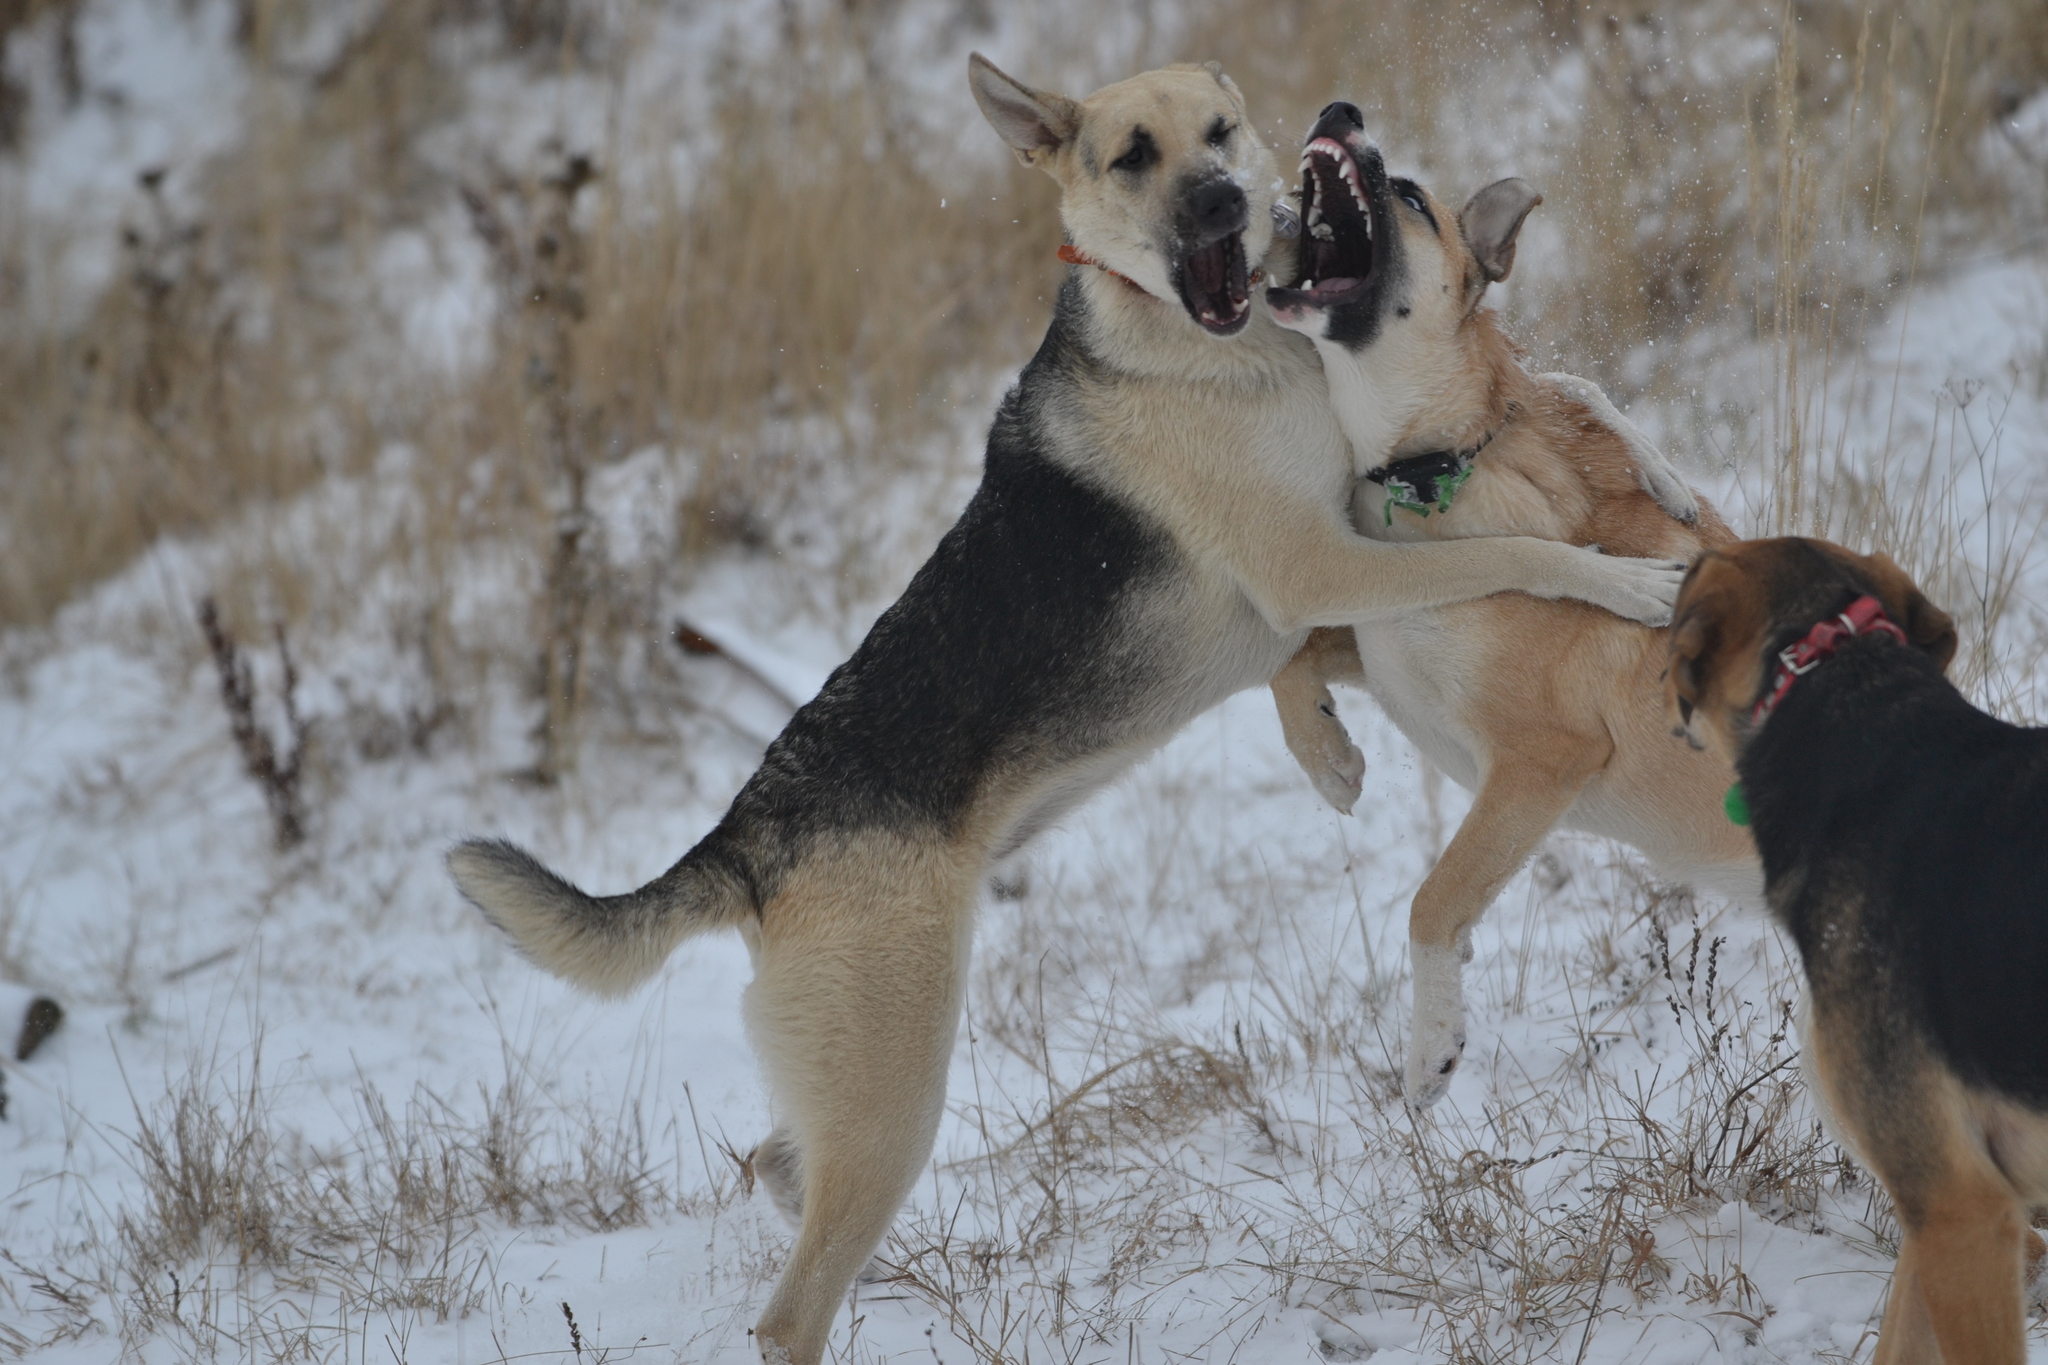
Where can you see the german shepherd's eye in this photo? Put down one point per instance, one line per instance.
(1219, 133)
(1143, 153)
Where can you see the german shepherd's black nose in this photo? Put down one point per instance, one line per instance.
(1217, 208)
(1338, 117)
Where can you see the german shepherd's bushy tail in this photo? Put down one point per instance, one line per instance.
(605, 944)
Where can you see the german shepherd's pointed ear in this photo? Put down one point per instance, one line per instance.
(1229, 86)
(1036, 123)
(1930, 629)
(1491, 220)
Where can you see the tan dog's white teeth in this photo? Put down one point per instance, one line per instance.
(1322, 232)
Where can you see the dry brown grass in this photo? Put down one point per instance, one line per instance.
(235, 359)
(244, 1224)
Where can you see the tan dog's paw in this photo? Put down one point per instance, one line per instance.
(1317, 738)
(1339, 769)
(1436, 1042)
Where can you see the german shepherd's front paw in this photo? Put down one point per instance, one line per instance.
(1639, 589)
(1436, 1043)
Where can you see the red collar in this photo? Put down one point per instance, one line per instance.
(1865, 616)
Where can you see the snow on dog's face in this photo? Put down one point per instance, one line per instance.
(1162, 180)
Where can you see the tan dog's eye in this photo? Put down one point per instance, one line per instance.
(1413, 201)
(1219, 133)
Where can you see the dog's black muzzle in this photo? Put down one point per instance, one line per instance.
(1340, 120)
(1210, 274)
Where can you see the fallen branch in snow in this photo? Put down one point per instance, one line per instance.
(277, 777)
(693, 641)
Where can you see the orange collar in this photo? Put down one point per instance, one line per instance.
(1073, 255)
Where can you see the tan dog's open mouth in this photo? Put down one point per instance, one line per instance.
(1215, 286)
(1336, 256)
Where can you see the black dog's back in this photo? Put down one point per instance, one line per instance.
(1914, 830)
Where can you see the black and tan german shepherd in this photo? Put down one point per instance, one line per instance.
(1904, 836)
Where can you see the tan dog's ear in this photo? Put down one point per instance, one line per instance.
(1928, 627)
(1491, 220)
(1036, 123)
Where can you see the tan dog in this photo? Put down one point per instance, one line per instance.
(1901, 833)
(1161, 520)
(1549, 712)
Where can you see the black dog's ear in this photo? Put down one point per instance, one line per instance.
(1691, 653)
(1930, 629)
(1036, 123)
(1491, 220)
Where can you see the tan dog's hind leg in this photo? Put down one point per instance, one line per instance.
(1309, 722)
(853, 1008)
(1518, 803)
(1971, 1249)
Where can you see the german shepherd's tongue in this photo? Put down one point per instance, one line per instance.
(1214, 285)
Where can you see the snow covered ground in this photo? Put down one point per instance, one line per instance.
(305, 1106)
(1174, 1131)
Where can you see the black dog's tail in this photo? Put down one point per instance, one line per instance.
(606, 944)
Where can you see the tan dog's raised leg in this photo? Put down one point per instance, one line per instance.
(1308, 714)
(1518, 803)
(853, 1008)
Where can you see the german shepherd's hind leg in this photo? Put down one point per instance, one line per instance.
(1906, 1336)
(1518, 803)
(853, 1008)
(778, 1164)
(1309, 722)
(1972, 1239)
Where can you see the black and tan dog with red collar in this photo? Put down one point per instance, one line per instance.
(1904, 836)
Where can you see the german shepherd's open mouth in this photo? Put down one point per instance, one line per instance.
(1215, 285)
(1337, 252)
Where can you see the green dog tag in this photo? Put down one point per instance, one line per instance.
(1737, 805)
